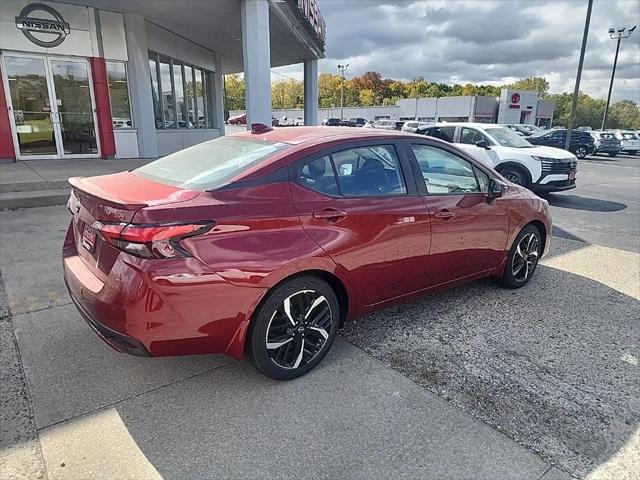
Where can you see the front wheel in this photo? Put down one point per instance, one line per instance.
(611, 154)
(523, 258)
(515, 175)
(294, 328)
(581, 152)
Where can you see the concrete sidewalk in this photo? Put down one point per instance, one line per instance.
(41, 183)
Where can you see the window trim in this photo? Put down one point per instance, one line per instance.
(422, 186)
(403, 162)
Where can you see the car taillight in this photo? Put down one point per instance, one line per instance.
(151, 241)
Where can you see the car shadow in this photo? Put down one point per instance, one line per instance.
(577, 202)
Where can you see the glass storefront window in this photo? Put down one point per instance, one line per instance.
(178, 87)
(119, 94)
(183, 101)
(167, 96)
(155, 92)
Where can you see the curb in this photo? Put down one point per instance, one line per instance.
(33, 199)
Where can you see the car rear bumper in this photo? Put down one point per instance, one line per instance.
(160, 307)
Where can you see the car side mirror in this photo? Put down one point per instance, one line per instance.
(483, 144)
(496, 188)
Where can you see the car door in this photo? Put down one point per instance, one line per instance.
(469, 137)
(358, 205)
(468, 230)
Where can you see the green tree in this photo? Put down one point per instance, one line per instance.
(624, 114)
(234, 92)
(533, 84)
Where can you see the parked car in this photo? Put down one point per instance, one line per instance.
(238, 120)
(347, 123)
(541, 169)
(581, 143)
(605, 142)
(388, 124)
(521, 129)
(412, 126)
(331, 122)
(291, 121)
(358, 122)
(263, 243)
(629, 142)
(275, 122)
(368, 124)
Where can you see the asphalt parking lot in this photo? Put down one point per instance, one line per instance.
(476, 382)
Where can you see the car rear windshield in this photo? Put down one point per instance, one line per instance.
(629, 136)
(211, 164)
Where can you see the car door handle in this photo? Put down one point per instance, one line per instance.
(444, 214)
(330, 214)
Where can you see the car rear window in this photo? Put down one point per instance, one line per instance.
(211, 164)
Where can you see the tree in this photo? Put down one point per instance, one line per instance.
(366, 97)
(533, 84)
(234, 92)
(624, 114)
(589, 111)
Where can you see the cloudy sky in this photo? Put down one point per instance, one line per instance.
(483, 41)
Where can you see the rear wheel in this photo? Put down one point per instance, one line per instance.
(611, 154)
(523, 258)
(294, 328)
(581, 152)
(632, 152)
(515, 175)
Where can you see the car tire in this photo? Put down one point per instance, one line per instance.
(523, 258)
(581, 152)
(293, 328)
(612, 154)
(632, 152)
(515, 175)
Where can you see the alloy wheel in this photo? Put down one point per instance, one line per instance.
(299, 329)
(581, 152)
(525, 257)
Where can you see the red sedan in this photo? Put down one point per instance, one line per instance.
(238, 120)
(264, 243)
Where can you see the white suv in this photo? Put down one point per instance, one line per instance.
(539, 168)
(629, 142)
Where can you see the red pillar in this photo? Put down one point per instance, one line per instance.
(7, 151)
(103, 107)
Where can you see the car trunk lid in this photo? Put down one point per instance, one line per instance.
(113, 199)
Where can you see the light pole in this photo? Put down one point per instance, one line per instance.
(615, 36)
(342, 69)
(576, 90)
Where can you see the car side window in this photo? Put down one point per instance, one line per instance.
(318, 175)
(443, 133)
(471, 136)
(483, 179)
(369, 171)
(446, 173)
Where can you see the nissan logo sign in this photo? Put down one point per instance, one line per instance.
(44, 32)
(515, 98)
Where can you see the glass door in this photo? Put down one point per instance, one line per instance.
(73, 108)
(30, 102)
(53, 108)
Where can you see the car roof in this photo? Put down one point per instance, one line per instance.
(467, 124)
(301, 135)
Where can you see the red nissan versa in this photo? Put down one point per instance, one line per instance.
(264, 243)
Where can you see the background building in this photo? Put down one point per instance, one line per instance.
(142, 78)
(528, 109)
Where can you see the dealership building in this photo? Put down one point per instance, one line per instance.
(512, 106)
(142, 78)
